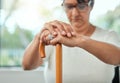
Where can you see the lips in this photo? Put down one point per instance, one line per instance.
(76, 20)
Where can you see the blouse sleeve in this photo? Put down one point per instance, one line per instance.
(113, 38)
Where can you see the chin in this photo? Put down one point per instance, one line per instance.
(77, 24)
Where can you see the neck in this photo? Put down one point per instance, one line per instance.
(85, 30)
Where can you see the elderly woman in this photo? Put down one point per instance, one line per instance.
(89, 52)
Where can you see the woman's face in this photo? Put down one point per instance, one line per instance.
(77, 13)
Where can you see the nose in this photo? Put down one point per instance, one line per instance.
(75, 12)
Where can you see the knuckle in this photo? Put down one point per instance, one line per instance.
(66, 29)
(60, 38)
(58, 25)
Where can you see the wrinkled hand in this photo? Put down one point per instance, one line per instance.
(53, 28)
(74, 41)
(44, 37)
(64, 28)
(62, 33)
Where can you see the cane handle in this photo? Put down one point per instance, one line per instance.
(42, 50)
(58, 60)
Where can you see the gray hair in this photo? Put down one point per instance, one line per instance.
(83, 1)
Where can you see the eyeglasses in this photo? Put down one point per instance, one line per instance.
(81, 6)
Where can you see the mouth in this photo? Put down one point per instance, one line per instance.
(76, 20)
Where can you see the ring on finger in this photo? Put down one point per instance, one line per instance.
(50, 37)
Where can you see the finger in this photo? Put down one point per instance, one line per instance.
(50, 27)
(54, 41)
(68, 29)
(48, 42)
(42, 30)
(42, 33)
(49, 37)
(71, 29)
(59, 26)
(57, 39)
(43, 36)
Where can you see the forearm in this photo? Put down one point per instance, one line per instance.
(108, 53)
(31, 59)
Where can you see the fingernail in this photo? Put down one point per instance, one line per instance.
(54, 33)
(68, 34)
(63, 33)
(73, 33)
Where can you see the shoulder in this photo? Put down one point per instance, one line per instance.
(106, 33)
(113, 37)
(109, 36)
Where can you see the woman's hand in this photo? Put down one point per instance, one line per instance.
(44, 37)
(61, 33)
(53, 28)
(74, 41)
(64, 28)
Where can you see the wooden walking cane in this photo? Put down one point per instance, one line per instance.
(58, 60)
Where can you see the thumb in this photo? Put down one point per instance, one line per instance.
(57, 39)
(54, 41)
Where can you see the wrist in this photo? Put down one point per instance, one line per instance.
(83, 41)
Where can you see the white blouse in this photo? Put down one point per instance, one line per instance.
(79, 66)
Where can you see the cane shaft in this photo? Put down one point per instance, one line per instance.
(58, 63)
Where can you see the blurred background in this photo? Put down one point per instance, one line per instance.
(20, 20)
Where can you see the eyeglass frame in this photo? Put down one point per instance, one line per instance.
(85, 5)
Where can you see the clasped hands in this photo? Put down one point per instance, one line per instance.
(59, 32)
